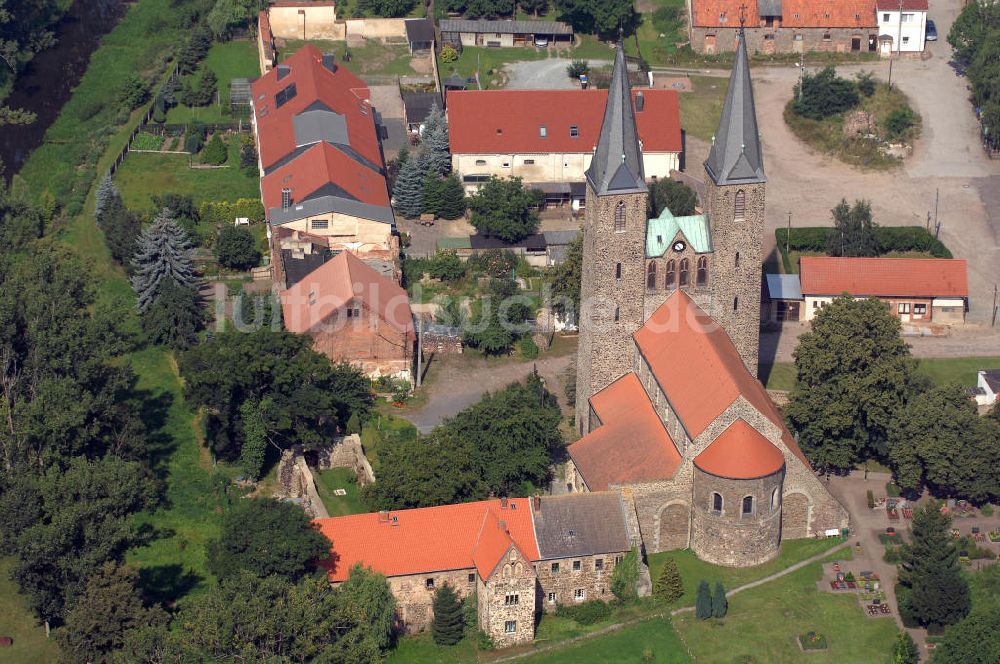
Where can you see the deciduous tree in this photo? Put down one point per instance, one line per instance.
(673, 195)
(823, 94)
(854, 233)
(236, 248)
(601, 17)
(505, 208)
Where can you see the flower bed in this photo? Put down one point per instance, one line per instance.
(146, 141)
(812, 641)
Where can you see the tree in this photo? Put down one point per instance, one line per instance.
(490, 9)
(216, 152)
(106, 191)
(937, 593)
(905, 650)
(435, 140)
(385, 8)
(446, 266)
(254, 450)
(669, 586)
(504, 208)
(195, 49)
(973, 640)
(673, 195)
(703, 601)
(201, 91)
(223, 16)
(449, 620)
(534, 7)
(175, 317)
(854, 233)
(854, 374)
(899, 122)
(266, 537)
(625, 578)
(433, 193)
(566, 279)
(865, 83)
(823, 94)
(121, 229)
(720, 605)
(600, 17)
(163, 252)
(408, 192)
(452, 198)
(941, 440)
(109, 607)
(236, 248)
(577, 68)
(133, 92)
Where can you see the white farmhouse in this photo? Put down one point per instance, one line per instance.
(902, 25)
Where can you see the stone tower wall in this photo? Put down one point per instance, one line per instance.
(606, 346)
(736, 265)
(729, 538)
(513, 577)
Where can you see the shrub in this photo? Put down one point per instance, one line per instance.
(236, 248)
(215, 152)
(446, 266)
(449, 53)
(865, 83)
(823, 94)
(703, 601)
(625, 578)
(497, 263)
(585, 613)
(870, 497)
(577, 68)
(528, 348)
(899, 122)
(987, 510)
(890, 239)
(133, 93)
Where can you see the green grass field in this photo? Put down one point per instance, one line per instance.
(634, 643)
(961, 370)
(339, 478)
(374, 58)
(657, 50)
(229, 60)
(30, 645)
(701, 108)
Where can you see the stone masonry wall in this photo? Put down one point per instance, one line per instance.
(736, 265)
(575, 574)
(365, 341)
(656, 500)
(415, 598)
(508, 596)
(606, 347)
(783, 40)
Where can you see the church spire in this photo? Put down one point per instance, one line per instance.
(735, 157)
(617, 164)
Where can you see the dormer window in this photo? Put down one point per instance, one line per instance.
(543, 131)
(574, 131)
(499, 131)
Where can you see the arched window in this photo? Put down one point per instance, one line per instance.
(684, 272)
(702, 270)
(740, 208)
(774, 499)
(671, 273)
(736, 303)
(747, 505)
(717, 503)
(736, 263)
(651, 275)
(618, 270)
(620, 217)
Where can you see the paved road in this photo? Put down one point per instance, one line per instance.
(547, 74)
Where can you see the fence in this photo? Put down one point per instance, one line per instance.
(180, 129)
(116, 164)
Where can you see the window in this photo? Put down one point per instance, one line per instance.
(552, 598)
(885, 18)
(543, 131)
(826, 36)
(320, 224)
(906, 39)
(919, 309)
(284, 96)
(505, 164)
(511, 600)
(684, 272)
(576, 566)
(722, 17)
(903, 308)
(429, 583)
(671, 271)
(740, 205)
(774, 499)
(736, 261)
(651, 276)
(618, 270)
(574, 131)
(797, 37)
(579, 594)
(907, 18)
(618, 560)
(529, 162)
(555, 568)
(599, 564)
(702, 270)
(747, 505)
(736, 303)
(620, 217)
(472, 578)
(510, 626)
(717, 503)
(617, 314)
(480, 162)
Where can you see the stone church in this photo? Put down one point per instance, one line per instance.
(668, 405)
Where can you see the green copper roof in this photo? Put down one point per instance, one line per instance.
(662, 230)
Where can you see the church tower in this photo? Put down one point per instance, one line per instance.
(734, 193)
(614, 249)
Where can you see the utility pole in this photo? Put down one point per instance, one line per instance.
(993, 324)
(420, 349)
(937, 194)
(788, 235)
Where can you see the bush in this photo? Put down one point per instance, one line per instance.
(448, 53)
(133, 93)
(528, 348)
(899, 122)
(446, 266)
(890, 239)
(824, 94)
(625, 578)
(987, 510)
(577, 68)
(870, 497)
(216, 152)
(865, 83)
(497, 263)
(236, 248)
(585, 613)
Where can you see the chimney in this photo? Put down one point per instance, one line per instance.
(503, 503)
(536, 502)
(329, 62)
(286, 198)
(503, 526)
(640, 101)
(395, 520)
(383, 517)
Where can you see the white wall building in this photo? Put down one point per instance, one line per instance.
(902, 25)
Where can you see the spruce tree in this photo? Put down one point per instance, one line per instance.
(905, 651)
(937, 594)
(254, 448)
(106, 190)
(435, 140)
(175, 317)
(449, 621)
(409, 191)
(452, 198)
(121, 229)
(433, 121)
(703, 601)
(163, 251)
(669, 586)
(720, 605)
(433, 193)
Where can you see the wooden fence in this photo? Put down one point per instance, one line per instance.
(116, 164)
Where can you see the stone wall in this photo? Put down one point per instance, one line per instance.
(377, 28)
(606, 347)
(348, 453)
(298, 20)
(415, 598)
(507, 601)
(785, 40)
(365, 341)
(590, 575)
(656, 508)
(296, 483)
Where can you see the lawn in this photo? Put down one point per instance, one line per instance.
(629, 644)
(701, 108)
(384, 428)
(940, 370)
(229, 60)
(375, 58)
(657, 50)
(779, 376)
(145, 174)
(16, 621)
(339, 478)
(764, 622)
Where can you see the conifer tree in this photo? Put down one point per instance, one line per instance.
(720, 605)
(703, 601)
(176, 316)
(106, 190)
(905, 651)
(449, 620)
(408, 193)
(255, 439)
(163, 252)
(433, 121)
(669, 586)
(121, 229)
(937, 594)
(433, 193)
(435, 139)
(452, 198)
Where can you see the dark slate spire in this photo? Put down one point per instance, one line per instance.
(736, 156)
(617, 164)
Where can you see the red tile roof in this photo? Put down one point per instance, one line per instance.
(741, 453)
(474, 116)
(908, 5)
(884, 277)
(699, 368)
(339, 281)
(631, 444)
(430, 539)
(318, 166)
(341, 91)
(794, 13)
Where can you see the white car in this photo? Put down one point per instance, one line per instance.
(541, 42)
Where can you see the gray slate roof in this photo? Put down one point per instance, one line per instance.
(327, 204)
(784, 287)
(736, 157)
(580, 524)
(320, 125)
(992, 377)
(617, 164)
(506, 27)
(419, 30)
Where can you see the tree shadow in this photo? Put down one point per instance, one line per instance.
(165, 584)
(160, 445)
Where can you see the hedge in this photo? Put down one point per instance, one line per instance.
(587, 613)
(890, 239)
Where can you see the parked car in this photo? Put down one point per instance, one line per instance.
(541, 42)
(931, 31)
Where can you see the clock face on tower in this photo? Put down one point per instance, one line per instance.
(679, 246)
